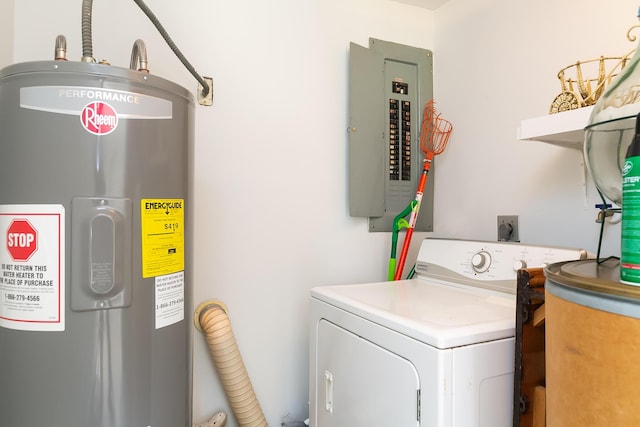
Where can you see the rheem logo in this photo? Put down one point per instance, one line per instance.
(99, 118)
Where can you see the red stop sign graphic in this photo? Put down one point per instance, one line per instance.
(22, 240)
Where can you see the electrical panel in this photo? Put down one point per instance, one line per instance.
(389, 85)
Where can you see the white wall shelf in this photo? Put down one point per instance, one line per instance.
(565, 129)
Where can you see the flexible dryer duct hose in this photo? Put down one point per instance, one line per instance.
(211, 318)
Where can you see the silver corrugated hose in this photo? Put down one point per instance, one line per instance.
(211, 318)
(87, 38)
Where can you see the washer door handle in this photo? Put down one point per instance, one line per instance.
(328, 392)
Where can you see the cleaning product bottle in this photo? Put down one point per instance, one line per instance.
(630, 245)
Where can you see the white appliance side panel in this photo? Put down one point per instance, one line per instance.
(483, 384)
(361, 383)
(434, 366)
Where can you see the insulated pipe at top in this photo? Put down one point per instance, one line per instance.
(211, 318)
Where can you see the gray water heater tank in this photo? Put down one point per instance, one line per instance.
(95, 262)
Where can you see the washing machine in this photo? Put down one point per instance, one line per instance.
(433, 351)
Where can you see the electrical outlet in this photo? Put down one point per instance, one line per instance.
(508, 228)
(206, 100)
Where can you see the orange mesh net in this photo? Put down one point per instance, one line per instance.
(435, 131)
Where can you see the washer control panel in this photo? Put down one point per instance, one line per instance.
(481, 261)
(473, 261)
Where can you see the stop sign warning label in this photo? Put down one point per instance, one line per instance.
(22, 239)
(32, 284)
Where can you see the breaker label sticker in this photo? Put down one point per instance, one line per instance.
(169, 299)
(162, 225)
(32, 282)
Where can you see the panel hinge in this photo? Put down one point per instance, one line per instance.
(418, 405)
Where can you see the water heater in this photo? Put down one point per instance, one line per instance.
(95, 263)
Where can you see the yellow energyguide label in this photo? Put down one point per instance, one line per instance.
(162, 224)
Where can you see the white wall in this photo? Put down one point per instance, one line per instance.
(272, 208)
(6, 32)
(271, 186)
(496, 63)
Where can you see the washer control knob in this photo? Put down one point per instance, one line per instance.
(518, 265)
(481, 261)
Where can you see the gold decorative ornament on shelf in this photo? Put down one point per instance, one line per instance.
(584, 82)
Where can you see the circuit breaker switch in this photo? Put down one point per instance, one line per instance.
(399, 87)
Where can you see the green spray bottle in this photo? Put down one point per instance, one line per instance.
(630, 244)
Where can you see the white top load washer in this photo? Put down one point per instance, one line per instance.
(433, 351)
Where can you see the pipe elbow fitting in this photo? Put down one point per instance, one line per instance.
(139, 57)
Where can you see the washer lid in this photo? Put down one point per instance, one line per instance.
(441, 315)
